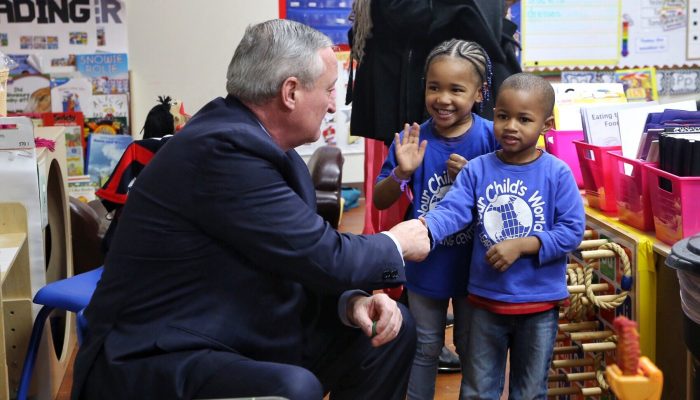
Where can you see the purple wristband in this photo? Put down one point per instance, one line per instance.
(402, 182)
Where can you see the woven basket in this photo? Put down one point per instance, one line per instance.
(4, 75)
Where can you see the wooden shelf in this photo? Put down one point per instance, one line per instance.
(15, 295)
(10, 246)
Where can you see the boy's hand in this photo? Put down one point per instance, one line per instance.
(409, 153)
(455, 164)
(502, 255)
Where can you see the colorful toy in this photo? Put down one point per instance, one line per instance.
(635, 377)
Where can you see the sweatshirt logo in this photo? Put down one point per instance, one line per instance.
(435, 189)
(507, 211)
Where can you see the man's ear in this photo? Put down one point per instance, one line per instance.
(290, 88)
(548, 124)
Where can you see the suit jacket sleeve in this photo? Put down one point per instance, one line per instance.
(250, 207)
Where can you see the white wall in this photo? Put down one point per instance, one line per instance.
(181, 48)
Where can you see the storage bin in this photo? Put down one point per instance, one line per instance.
(597, 171)
(560, 144)
(632, 192)
(672, 198)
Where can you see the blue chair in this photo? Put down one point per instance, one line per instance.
(70, 294)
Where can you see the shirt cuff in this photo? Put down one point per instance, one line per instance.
(343, 305)
(396, 242)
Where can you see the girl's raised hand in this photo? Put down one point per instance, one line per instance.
(409, 152)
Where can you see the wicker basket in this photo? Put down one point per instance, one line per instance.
(4, 75)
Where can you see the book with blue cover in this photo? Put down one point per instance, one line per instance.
(103, 154)
(108, 72)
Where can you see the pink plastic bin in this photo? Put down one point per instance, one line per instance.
(597, 167)
(632, 192)
(560, 144)
(676, 213)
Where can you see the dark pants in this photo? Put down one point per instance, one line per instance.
(349, 368)
(691, 332)
(340, 360)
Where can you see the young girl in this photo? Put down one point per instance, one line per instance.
(428, 158)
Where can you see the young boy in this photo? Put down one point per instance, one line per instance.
(529, 214)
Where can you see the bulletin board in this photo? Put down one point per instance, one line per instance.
(52, 32)
(561, 34)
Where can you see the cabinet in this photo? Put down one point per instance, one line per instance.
(35, 239)
(15, 295)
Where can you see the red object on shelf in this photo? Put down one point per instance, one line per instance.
(628, 352)
(632, 192)
(561, 145)
(597, 167)
(672, 204)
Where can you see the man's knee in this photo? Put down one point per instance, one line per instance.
(299, 384)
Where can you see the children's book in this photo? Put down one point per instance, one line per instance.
(639, 83)
(601, 125)
(27, 93)
(108, 72)
(108, 125)
(106, 105)
(74, 160)
(82, 188)
(75, 126)
(71, 95)
(103, 154)
(570, 97)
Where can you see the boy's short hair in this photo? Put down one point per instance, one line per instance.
(533, 84)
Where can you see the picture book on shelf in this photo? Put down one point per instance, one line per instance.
(105, 105)
(27, 93)
(82, 188)
(103, 154)
(639, 83)
(570, 97)
(108, 125)
(107, 72)
(601, 125)
(75, 126)
(74, 160)
(71, 95)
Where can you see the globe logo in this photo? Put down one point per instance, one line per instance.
(507, 217)
(438, 196)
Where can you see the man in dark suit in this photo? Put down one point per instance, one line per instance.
(222, 281)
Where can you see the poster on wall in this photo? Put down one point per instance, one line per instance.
(52, 31)
(335, 128)
(610, 33)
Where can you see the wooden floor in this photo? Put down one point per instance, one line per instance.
(447, 386)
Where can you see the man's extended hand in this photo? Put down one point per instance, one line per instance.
(378, 310)
(413, 238)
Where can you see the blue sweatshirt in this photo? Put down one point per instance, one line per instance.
(538, 199)
(445, 272)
